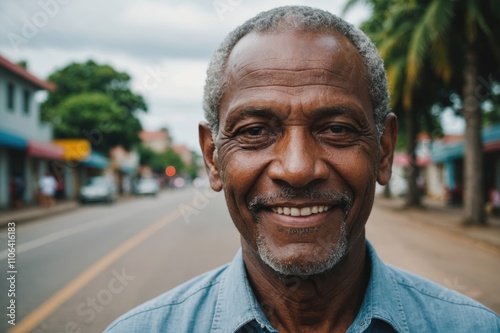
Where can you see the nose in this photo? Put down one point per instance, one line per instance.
(298, 160)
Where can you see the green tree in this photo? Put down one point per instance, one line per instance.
(109, 108)
(457, 41)
(97, 118)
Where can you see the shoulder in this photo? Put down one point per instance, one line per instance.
(187, 308)
(431, 307)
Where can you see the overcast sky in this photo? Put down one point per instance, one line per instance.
(171, 38)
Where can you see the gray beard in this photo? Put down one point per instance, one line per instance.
(336, 252)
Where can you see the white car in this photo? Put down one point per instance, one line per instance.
(98, 189)
(147, 186)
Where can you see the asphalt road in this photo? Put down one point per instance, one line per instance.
(78, 271)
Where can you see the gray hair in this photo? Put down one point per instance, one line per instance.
(297, 18)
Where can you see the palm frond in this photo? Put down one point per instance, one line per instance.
(395, 75)
(441, 59)
(433, 26)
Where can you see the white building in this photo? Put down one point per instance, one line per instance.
(25, 142)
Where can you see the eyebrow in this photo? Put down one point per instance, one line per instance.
(318, 113)
(239, 115)
(329, 111)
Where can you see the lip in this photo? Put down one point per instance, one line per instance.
(300, 222)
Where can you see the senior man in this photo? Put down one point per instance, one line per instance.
(298, 133)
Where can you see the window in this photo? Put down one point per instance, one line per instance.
(26, 101)
(10, 96)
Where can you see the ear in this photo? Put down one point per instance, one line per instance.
(387, 145)
(209, 157)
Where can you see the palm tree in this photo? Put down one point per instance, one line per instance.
(455, 40)
(412, 105)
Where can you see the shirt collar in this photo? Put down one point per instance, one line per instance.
(236, 303)
(382, 298)
(237, 306)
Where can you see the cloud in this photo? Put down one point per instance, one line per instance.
(137, 36)
(145, 29)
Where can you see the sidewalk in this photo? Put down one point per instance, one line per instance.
(34, 212)
(448, 218)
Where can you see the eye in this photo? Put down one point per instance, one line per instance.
(338, 129)
(255, 131)
(338, 133)
(255, 136)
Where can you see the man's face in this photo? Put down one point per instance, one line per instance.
(297, 152)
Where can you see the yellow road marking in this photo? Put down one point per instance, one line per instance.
(53, 303)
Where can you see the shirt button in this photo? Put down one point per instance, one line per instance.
(262, 326)
(362, 323)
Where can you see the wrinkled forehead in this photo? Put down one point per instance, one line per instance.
(280, 55)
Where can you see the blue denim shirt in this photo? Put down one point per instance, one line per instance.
(223, 301)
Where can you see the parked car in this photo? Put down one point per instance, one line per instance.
(98, 189)
(146, 186)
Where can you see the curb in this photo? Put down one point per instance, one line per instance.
(36, 213)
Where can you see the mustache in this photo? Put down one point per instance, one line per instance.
(342, 198)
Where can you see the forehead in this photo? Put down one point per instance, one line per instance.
(295, 61)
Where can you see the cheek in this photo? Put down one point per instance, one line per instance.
(240, 172)
(359, 171)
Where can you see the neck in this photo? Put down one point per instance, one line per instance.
(328, 302)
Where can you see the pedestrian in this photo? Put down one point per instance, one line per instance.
(494, 201)
(299, 131)
(48, 186)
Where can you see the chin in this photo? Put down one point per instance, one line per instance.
(307, 263)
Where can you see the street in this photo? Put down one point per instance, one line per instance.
(78, 271)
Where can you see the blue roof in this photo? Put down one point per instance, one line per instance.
(13, 141)
(96, 160)
(444, 152)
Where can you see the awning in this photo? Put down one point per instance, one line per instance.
(12, 141)
(96, 160)
(45, 150)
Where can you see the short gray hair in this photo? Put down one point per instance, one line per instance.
(297, 18)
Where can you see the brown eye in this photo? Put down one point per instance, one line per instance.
(337, 129)
(255, 131)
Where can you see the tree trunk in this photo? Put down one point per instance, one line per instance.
(413, 195)
(473, 163)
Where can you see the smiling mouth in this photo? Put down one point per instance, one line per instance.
(304, 211)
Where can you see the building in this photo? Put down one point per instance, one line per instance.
(26, 150)
(448, 160)
(185, 153)
(158, 141)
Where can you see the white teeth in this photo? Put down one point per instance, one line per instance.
(305, 211)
